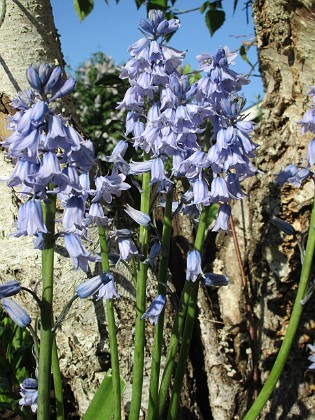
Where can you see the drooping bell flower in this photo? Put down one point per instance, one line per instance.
(155, 309)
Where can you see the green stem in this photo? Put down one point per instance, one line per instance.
(111, 330)
(57, 382)
(162, 279)
(292, 327)
(35, 341)
(172, 348)
(140, 304)
(46, 311)
(179, 320)
(183, 355)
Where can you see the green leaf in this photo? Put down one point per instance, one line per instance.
(157, 4)
(212, 213)
(243, 54)
(235, 5)
(214, 20)
(139, 3)
(102, 405)
(214, 5)
(83, 7)
(204, 7)
(109, 79)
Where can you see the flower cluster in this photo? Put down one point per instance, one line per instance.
(166, 115)
(167, 118)
(51, 157)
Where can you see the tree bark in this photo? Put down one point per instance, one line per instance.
(28, 36)
(286, 35)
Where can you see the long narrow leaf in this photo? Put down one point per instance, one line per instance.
(102, 405)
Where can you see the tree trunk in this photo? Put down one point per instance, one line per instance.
(29, 36)
(286, 35)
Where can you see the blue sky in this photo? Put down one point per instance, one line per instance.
(113, 28)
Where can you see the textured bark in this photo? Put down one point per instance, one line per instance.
(286, 35)
(28, 36)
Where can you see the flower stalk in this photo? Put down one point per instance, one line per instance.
(46, 310)
(57, 382)
(111, 330)
(162, 280)
(285, 348)
(140, 303)
(189, 292)
(189, 322)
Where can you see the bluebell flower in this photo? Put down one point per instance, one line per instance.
(299, 177)
(234, 186)
(155, 309)
(201, 192)
(30, 219)
(54, 79)
(79, 255)
(282, 225)
(157, 171)
(193, 265)
(138, 216)
(212, 279)
(50, 170)
(127, 248)
(155, 251)
(288, 172)
(9, 288)
(83, 158)
(97, 214)
(137, 168)
(39, 241)
(29, 393)
(91, 286)
(73, 214)
(107, 291)
(222, 222)
(219, 190)
(24, 172)
(107, 186)
(33, 78)
(16, 313)
(64, 89)
(118, 153)
(44, 72)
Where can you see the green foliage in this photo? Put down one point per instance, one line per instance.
(15, 362)
(102, 405)
(194, 76)
(243, 54)
(98, 90)
(215, 16)
(157, 4)
(83, 7)
(140, 3)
